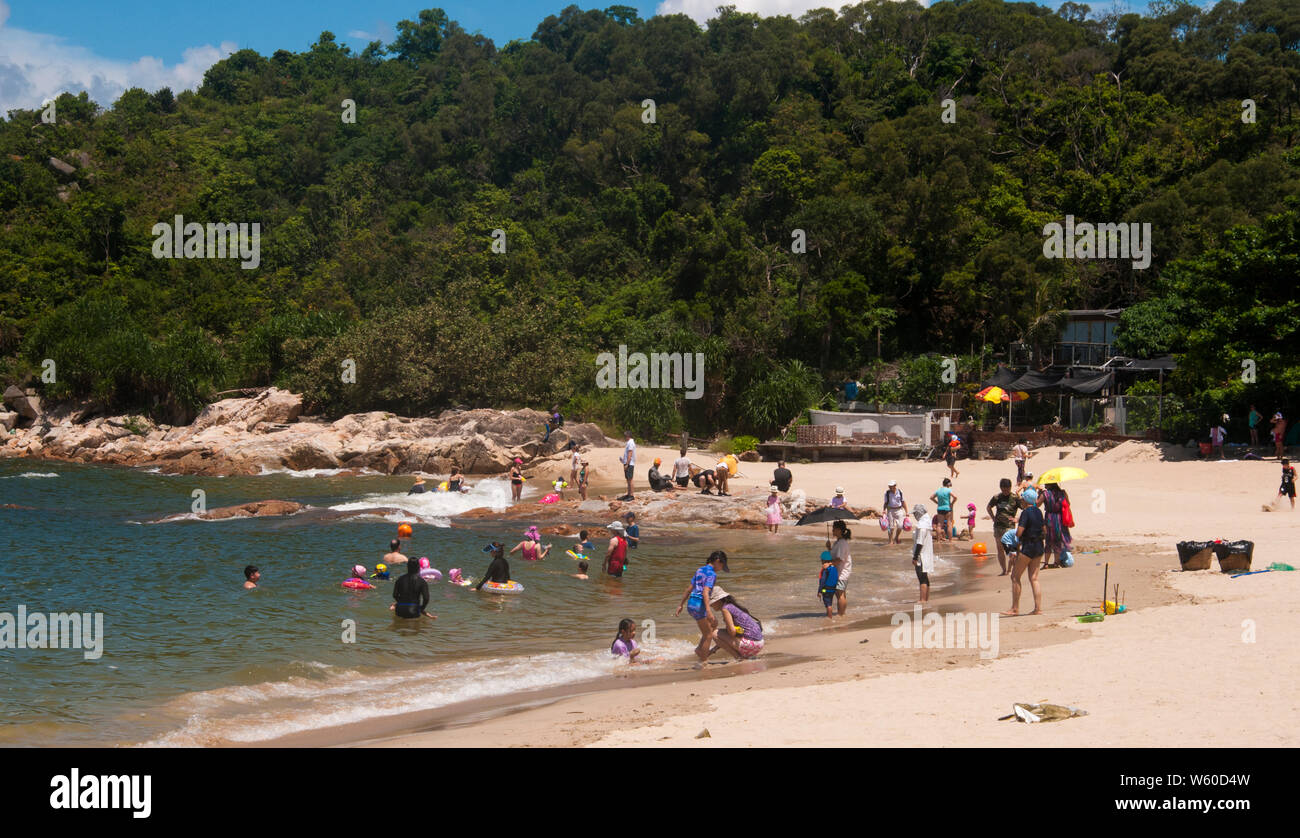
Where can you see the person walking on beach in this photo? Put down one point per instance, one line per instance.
(1279, 434)
(943, 498)
(1287, 489)
(741, 634)
(516, 479)
(616, 551)
(950, 455)
(411, 593)
(922, 550)
(1056, 534)
(1021, 455)
(773, 510)
(1252, 420)
(843, 562)
(628, 459)
(894, 507)
(697, 598)
(1029, 532)
(782, 477)
(1002, 509)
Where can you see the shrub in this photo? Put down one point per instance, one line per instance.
(741, 444)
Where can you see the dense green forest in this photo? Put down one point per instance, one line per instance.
(923, 234)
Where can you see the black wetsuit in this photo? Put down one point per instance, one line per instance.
(657, 481)
(411, 593)
(498, 571)
(782, 478)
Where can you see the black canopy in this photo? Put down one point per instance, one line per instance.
(1002, 377)
(1035, 382)
(1087, 385)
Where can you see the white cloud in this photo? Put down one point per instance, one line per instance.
(35, 67)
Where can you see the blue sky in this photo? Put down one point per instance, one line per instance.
(105, 46)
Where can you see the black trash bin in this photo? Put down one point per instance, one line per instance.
(1234, 556)
(1195, 555)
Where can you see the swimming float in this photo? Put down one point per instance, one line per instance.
(442, 487)
(454, 578)
(511, 587)
(358, 584)
(573, 555)
(551, 498)
(427, 571)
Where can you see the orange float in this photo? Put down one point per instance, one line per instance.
(979, 549)
(404, 531)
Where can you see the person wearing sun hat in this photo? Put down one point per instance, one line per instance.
(895, 510)
(838, 501)
(616, 552)
(742, 633)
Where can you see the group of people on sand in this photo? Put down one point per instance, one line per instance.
(740, 633)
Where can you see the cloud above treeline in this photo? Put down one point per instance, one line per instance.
(35, 67)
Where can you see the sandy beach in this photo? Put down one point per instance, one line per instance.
(1200, 658)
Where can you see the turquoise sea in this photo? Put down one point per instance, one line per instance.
(190, 657)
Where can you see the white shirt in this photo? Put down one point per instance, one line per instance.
(577, 459)
(629, 454)
(1216, 435)
(840, 553)
(922, 535)
(1020, 452)
(682, 468)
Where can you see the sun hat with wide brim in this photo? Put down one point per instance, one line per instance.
(617, 526)
(718, 595)
(893, 483)
(839, 490)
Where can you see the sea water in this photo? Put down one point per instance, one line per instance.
(190, 657)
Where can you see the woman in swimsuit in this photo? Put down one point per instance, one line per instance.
(516, 479)
(455, 483)
(531, 546)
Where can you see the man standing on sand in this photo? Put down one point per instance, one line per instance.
(682, 470)
(1020, 454)
(782, 477)
(628, 459)
(1002, 509)
(894, 506)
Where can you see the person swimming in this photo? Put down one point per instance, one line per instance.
(357, 581)
(411, 593)
(531, 546)
(499, 569)
(251, 575)
(381, 572)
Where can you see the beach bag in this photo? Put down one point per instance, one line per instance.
(1067, 516)
(1066, 559)
(884, 526)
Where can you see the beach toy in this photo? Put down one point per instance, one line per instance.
(442, 487)
(979, 548)
(1066, 559)
(883, 525)
(511, 587)
(404, 531)
(573, 555)
(551, 498)
(1280, 566)
(1112, 608)
(454, 578)
(907, 524)
(427, 571)
(1092, 618)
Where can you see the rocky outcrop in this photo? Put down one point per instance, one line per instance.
(25, 404)
(256, 509)
(738, 511)
(267, 432)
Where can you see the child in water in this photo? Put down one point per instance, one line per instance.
(582, 571)
(381, 572)
(632, 530)
(826, 582)
(625, 644)
(773, 510)
(584, 546)
(358, 579)
(251, 575)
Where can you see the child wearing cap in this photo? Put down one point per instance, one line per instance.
(837, 502)
(826, 582)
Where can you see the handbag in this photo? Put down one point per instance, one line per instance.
(1067, 516)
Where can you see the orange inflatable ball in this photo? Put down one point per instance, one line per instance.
(978, 548)
(404, 531)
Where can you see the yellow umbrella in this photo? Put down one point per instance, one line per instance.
(1060, 475)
